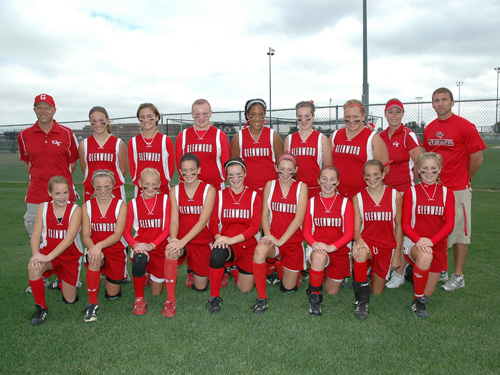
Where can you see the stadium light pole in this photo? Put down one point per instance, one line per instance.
(418, 99)
(270, 54)
(330, 113)
(459, 84)
(496, 113)
(366, 89)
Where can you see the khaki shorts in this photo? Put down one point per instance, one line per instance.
(462, 230)
(30, 216)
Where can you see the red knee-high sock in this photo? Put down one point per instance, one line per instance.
(360, 270)
(38, 290)
(170, 278)
(93, 282)
(420, 278)
(139, 286)
(270, 268)
(235, 273)
(216, 275)
(279, 269)
(316, 279)
(259, 275)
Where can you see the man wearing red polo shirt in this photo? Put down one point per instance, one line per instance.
(461, 146)
(47, 149)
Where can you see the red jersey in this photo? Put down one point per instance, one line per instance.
(235, 214)
(282, 210)
(54, 231)
(349, 157)
(400, 175)
(47, 154)
(309, 154)
(211, 147)
(155, 153)
(378, 220)
(455, 139)
(105, 157)
(151, 224)
(331, 221)
(258, 156)
(103, 224)
(190, 210)
(428, 211)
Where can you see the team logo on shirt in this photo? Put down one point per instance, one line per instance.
(439, 134)
(303, 151)
(57, 143)
(396, 144)
(252, 152)
(347, 149)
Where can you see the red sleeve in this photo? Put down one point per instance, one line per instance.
(73, 147)
(449, 219)
(473, 141)
(213, 223)
(22, 151)
(127, 233)
(307, 225)
(171, 157)
(348, 227)
(255, 224)
(406, 217)
(178, 150)
(163, 236)
(131, 163)
(225, 154)
(412, 141)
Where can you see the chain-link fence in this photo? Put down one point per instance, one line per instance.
(481, 112)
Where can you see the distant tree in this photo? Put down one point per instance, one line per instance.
(11, 136)
(416, 127)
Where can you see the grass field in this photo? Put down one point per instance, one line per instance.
(460, 337)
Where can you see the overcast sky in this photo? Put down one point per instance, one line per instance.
(118, 54)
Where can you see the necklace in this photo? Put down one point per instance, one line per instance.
(302, 140)
(433, 194)
(377, 204)
(148, 144)
(150, 211)
(59, 219)
(200, 138)
(241, 196)
(196, 188)
(103, 216)
(256, 140)
(283, 195)
(329, 209)
(101, 144)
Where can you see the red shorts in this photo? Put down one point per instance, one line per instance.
(292, 256)
(243, 256)
(198, 258)
(66, 269)
(339, 266)
(156, 264)
(381, 261)
(439, 256)
(115, 267)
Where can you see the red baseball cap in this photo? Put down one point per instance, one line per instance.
(45, 98)
(394, 103)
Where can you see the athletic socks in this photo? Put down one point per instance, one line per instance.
(138, 286)
(420, 278)
(360, 270)
(216, 275)
(316, 280)
(93, 281)
(259, 274)
(38, 289)
(170, 268)
(279, 269)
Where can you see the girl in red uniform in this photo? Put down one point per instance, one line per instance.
(102, 150)
(234, 225)
(258, 146)
(283, 210)
(57, 224)
(150, 149)
(103, 222)
(311, 148)
(353, 146)
(149, 216)
(328, 228)
(404, 149)
(377, 233)
(428, 219)
(191, 202)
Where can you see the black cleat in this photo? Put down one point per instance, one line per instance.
(260, 306)
(419, 308)
(361, 310)
(315, 307)
(213, 304)
(39, 316)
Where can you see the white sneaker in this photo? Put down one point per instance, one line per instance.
(456, 282)
(443, 276)
(396, 280)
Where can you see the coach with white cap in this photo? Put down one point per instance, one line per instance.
(47, 149)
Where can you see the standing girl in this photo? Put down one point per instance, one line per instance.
(103, 222)
(283, 210)
(191, 202)
(102, 150)
(57, 224)
(428, 219)
(311, 148)
(150, 149)
(328, 228)
(377, 233)
(149, 216)
(234, 225)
